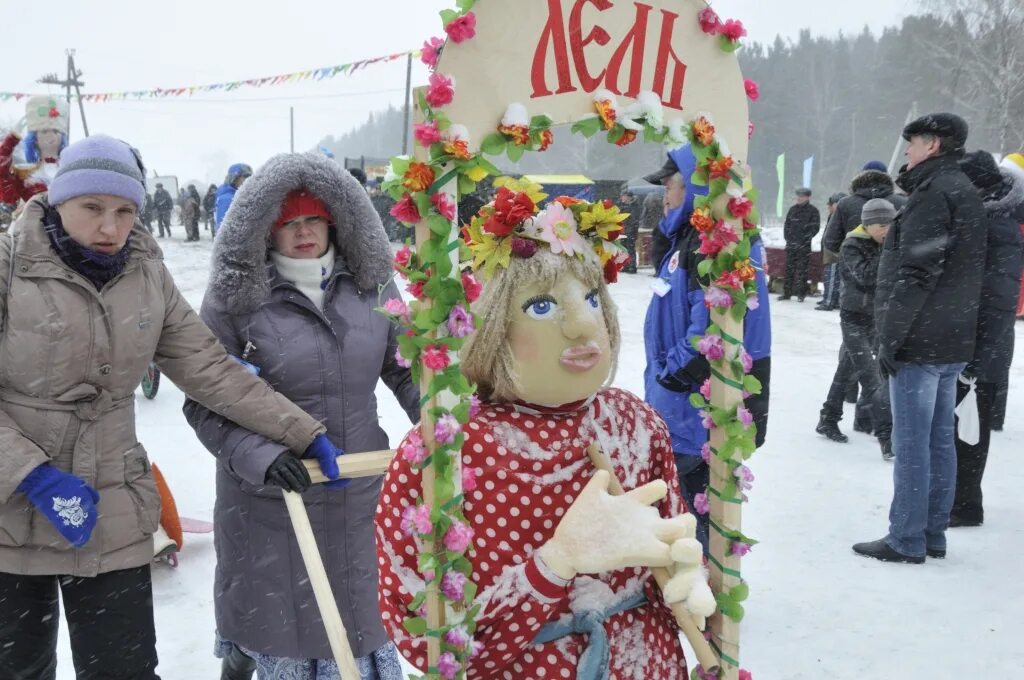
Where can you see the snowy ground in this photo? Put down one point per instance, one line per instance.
(816, 610)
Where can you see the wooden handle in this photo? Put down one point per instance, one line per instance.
(321, 586)
(352, 465)
(705, 655)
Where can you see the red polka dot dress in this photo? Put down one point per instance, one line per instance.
(530, 465)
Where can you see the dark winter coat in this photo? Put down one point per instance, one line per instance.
(162, 201)
(933, 260)
(210, 201)
(864, 187)
(802, 224)
(858, 262)
(329, 363)
(1001, 288)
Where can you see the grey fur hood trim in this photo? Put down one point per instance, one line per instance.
(1011, 200)
(872, 181)
(240, 279)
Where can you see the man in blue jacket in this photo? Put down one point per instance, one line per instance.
(237, 174)
(675, 370)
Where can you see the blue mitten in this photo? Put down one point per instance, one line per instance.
(326, 455)
(67, 501)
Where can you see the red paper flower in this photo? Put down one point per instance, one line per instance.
(427, 133)
(462, 28)
(510, 210)
(546, 138)
(628, 137)
(431, 51)
(418, 177)
(53, 112)
(730, 280)
(612, 268)
(709, 21)
(443, 205)
(519, 134)
(435, 357)
(719, 168)
(403, 257)
(741, 207)
(406, 211)
(416, 289)
(441, 91)
(753, 91)
(471, 286)
(733, 30)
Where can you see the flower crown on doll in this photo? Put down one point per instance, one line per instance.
(512, 225)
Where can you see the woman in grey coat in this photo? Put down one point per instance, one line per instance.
(300, 263)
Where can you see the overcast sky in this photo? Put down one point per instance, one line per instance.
(129, 45)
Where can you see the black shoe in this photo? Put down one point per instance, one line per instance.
(783, 298)
(800, 298)
(861, 427)
(824, 308)
(961, 521)
(997, 428)
(936, 553)
(237, 665)
(887, 453)
(880, 550)
(830, 430)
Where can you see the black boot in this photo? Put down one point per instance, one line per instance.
(880, 550)
(830, 429)
(886, 445)
(237, 666)
(862, 426)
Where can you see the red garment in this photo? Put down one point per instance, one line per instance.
(12, 187)
(530, 466)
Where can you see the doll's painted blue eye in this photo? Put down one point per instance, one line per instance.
(594, 299)
(541, 307)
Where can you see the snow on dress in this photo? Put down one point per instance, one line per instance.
(531, 463)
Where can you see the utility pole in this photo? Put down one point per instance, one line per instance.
(408, 97)
(291, 118)
(72, 80)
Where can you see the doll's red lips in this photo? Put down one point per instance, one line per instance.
(581, 358)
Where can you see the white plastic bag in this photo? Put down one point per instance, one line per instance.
(969, 428)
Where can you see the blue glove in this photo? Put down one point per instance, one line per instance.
(326, 454)
(67, 501)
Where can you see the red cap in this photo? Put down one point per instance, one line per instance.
(301, 203)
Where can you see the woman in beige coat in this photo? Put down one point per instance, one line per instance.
(85, 303)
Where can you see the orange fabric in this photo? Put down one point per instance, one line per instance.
(169, 518)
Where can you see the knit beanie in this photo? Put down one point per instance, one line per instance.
(301, 203)
(877, 211)
(980, 167)
(99, 165)
(875, 165)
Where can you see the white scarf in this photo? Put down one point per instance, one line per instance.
(310, 276)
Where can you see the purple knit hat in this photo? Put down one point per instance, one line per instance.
(99, 165)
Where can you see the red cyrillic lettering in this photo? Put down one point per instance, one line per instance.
(665, 52)
(552, 35)
(635, 39)
(577, 42)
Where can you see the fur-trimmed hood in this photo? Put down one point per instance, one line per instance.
(872, 184)
(240, 278)
(1008, 203)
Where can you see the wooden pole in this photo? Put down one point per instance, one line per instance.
(321, 586)
(705, 656)
(408, 104)
(73, 77)
(352, 465)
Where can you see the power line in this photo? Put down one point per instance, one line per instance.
(194, 100)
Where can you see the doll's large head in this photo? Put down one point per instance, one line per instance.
(46, 119)
(548, 333)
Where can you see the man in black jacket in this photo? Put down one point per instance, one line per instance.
(1003, 198)
(164, 204)
(929, 287)
(872, 182)
(803, 221)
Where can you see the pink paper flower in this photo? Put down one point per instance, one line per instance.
(705, 452)
(474, 406)
(557, 227)
(712, 346)
(406, 211)
(753, 302)
(739, 548)
(441, 91)
(716, 297)
(468, 479)
(453, 586)
(413, 449)
(745, 674)
(431, 51)
(462, 28)
(700, 503)
(753, 91)
(397, 307)
(400, 360)
(729, 279)
(477, 647)
(471, 286)
(458, 537)
(732, 29)
(444, 206)
(435, 357)
(448, 666)
(741, 207)
(446, 429)
(457, 636)
(705, 389)
(746, 360)
(427, 133)
(709, 21)
(744, 415)
(744, 477)
(403, 257)
(416, 520)
(460, 322)
(706, 420)
(750, 129)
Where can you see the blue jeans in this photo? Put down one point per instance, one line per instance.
(694, 474)
(923, 397)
